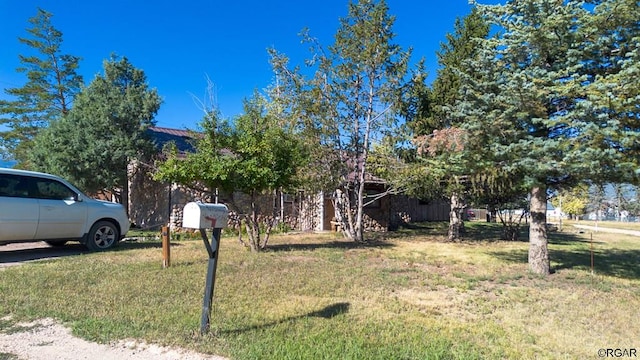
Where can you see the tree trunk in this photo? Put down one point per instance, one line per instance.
(253, 228)
(538, 250)
(359, 221)
(351, 229)
(456, 222)
(341, 206)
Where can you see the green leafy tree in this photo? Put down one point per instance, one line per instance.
(106, 130)
(350, 102)
(573, 201)
(52, 83)
(541, 97)
(254, 156)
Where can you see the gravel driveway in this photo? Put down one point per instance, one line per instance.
(46, 339)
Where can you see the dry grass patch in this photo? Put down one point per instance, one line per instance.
(406, 295)
(569, 314)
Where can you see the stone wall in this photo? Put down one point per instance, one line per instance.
(311, 211)
(153, 204)
(148, 202)
(180, 196)
(239, 205)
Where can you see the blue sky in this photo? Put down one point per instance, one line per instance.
(179, 43)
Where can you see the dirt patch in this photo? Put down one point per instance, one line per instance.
(45, 339)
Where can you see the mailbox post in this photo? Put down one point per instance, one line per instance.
(207, 216)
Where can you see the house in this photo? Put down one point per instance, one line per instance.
(153, 204)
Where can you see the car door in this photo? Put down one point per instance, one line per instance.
(18, 211)
(62, 216)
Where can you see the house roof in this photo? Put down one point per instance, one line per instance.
(161, 136)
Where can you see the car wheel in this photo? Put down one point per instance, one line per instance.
(102, 236)
(56, 243)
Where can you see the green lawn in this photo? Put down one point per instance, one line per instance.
(406, 295)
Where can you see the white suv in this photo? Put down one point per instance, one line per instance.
(41, 207)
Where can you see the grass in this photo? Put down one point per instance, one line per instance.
(406, 295)
(604, 224)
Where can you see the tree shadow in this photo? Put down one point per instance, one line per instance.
(568, 238)
(475, 231)
(344, 244)
(418, 229)
(130, 244)
(619, 263)
(327, 312)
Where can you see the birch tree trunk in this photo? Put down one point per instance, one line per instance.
(456, 222)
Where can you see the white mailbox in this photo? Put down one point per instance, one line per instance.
(198, 215)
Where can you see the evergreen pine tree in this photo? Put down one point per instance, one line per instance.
(52, 83)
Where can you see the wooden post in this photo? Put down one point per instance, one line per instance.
(166, 248)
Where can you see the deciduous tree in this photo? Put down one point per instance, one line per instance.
(254, 155)
(350, 102)
(573, 201)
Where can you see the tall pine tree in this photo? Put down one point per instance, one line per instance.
(550, 98)
(437, 134)
(106, 129)
(52, 83)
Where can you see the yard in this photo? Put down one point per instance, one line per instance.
(406, 295)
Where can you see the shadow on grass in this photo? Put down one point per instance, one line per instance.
(327, 312)
(482, 231)
(135, 244)
(438, 228)
(21, 253)
(575, 253)
(474, 231)
(343, 244)
(611, 262)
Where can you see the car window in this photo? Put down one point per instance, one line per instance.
(53, 190)
(14, 186)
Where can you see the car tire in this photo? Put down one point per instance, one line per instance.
(56, 243)
(102, 236)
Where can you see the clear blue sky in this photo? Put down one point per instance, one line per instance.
(179, 43)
